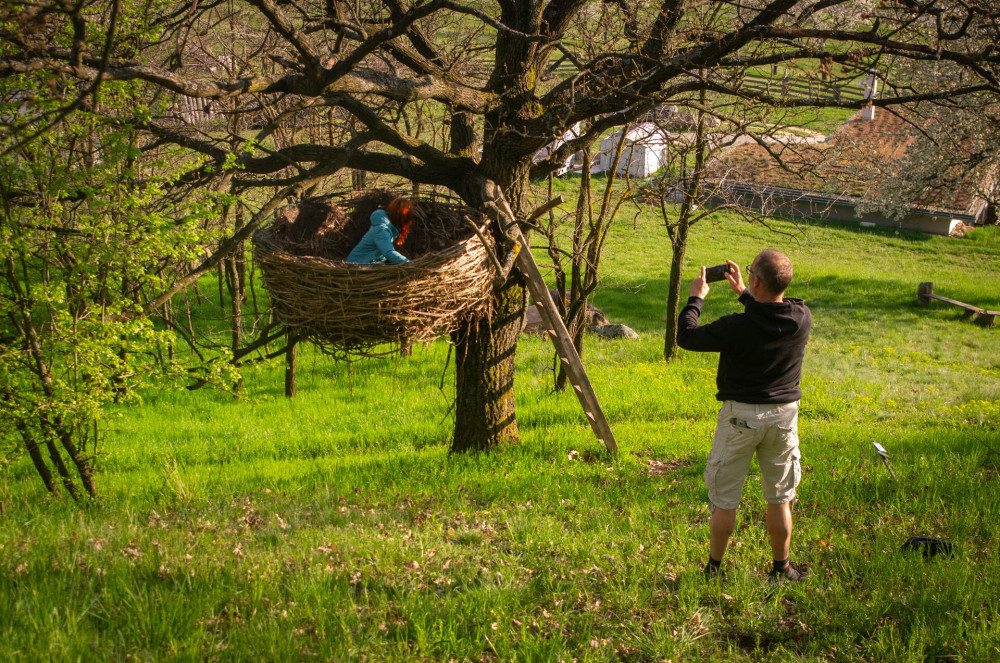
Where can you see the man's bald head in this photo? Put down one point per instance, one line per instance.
(774, 269)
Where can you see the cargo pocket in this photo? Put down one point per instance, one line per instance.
(790, 481)
(781, 477)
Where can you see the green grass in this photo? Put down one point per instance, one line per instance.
(336, 526)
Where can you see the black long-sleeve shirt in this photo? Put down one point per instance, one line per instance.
(760, 350)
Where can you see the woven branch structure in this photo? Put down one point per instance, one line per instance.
(373, 310)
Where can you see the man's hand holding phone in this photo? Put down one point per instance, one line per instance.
(699, 287)
(735, 278)
(730, 271)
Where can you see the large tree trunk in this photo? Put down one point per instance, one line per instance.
(484, 373)
(485, 348)
(484, 366)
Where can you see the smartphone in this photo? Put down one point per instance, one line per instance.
(716, 273)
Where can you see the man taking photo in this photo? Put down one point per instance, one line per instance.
(760, 365)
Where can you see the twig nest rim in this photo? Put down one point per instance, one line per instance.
(373, 310)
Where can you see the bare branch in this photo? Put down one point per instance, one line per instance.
(301, 42)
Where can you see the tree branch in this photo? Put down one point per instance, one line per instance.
(299, 41)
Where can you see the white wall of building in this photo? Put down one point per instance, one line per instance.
(644, 153)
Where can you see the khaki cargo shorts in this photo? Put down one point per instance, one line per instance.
(743, 429)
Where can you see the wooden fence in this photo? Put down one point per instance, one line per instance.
(803, 88)
(786, 86)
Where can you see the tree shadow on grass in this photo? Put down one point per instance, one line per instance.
(838, 303)
(855, 227)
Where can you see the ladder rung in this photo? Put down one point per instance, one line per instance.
(564, 360)
(578, 388)
(590, 415)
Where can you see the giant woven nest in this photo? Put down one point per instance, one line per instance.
(372, 310)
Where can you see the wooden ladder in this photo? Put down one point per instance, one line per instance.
(561, 339)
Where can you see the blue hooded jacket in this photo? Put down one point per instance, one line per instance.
(377, 244)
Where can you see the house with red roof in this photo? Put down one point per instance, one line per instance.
(851, 175)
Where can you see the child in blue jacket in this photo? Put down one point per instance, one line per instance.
(389, 226)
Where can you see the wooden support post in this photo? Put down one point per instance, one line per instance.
(987, 318)
(291, 352)
(924, 292)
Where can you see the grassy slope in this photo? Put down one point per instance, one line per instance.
(337, 526)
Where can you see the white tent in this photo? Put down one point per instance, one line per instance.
(644, 152)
